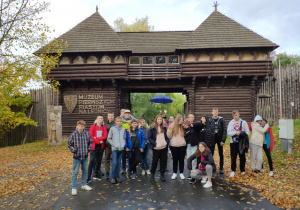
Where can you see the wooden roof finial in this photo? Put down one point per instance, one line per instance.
(216, 6)
(97, 8)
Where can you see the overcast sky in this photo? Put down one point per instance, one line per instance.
(276, 20)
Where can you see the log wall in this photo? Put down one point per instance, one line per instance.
(268, 99)
(226, 99)
(91, 103)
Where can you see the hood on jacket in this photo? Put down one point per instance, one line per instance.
(257, 117)
(207, 120)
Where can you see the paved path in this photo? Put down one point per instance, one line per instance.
(172, 194)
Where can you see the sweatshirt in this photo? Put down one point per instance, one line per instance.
(176, 141)
(94, 131)
(116, 138)
(235, 126)
(258, 134)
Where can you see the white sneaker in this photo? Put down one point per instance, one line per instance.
(148, 172)
(174, 176)
(243, 173)
(74, 192)
(262, 170)
(232, 174)
(208, 185)
(182, 176)
(204, 179)
(86, 187)
(143, 172)
(271, 173)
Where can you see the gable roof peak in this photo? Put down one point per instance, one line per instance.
(220, 31)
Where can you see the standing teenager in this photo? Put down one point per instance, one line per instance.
(110, 123)
(80, 143)
(116, 138)
(192, 140)
(268, 146)
(135, 144)
(206, 134)
(178, 145)
(256, 143)
(145, 162)
(218, 126)
(158, 142)
(235, 127)
(98, 133)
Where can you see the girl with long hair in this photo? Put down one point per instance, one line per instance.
(178, 145)
(206, 165)
(158, 142)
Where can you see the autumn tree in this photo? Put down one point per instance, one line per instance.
(21, 33)
(138, 25)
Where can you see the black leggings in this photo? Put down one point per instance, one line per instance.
(268, 154)
(178, 154)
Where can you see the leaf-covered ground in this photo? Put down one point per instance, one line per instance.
(283, 189)
(35, 175)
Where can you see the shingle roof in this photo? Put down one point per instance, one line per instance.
(219, 31)
(154, 42)
(93, 35)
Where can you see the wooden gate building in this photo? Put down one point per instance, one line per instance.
(220, 64)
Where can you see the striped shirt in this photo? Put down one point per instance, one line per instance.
(80, 144)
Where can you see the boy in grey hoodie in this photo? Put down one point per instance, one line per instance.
(116, 138)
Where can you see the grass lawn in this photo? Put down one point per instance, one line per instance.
(35, 175)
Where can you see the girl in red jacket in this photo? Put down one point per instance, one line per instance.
(98, 133)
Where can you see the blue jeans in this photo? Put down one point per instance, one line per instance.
(190, 150)
(76, 165)
(145, 159)
(124, 159)
(116, 161)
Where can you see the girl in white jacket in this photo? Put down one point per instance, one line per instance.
(256, 143)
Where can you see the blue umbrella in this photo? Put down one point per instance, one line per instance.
(161, 99)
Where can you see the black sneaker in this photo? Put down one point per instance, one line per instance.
(152, 178)
(88, 181)
(118, 180)
(221, 171)
(189, 177)
(97, 177)
(162, 178)
(192, 181)
(107, 175)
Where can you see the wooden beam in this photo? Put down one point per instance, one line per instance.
(208, 80)
(238, 81)
(224, 79)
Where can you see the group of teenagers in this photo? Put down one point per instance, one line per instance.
(124, 137)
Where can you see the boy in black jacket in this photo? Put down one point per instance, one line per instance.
(218, 126)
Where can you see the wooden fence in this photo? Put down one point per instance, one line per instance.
(37, 112)
(268, 102)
